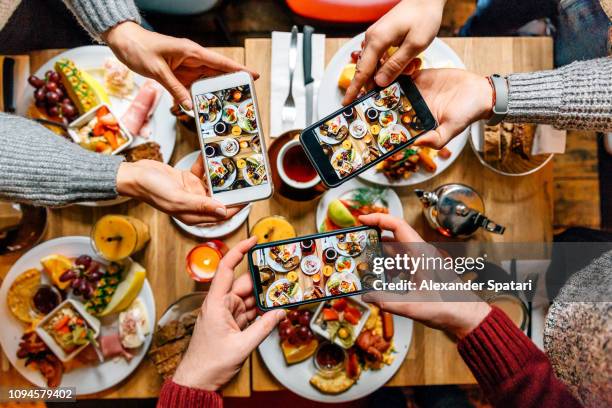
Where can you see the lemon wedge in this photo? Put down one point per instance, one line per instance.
(127, 290)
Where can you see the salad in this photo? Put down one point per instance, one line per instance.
(391, 137)
(69, 329)
(283, 292)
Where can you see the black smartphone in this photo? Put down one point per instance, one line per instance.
(356, 137)
(315, 267)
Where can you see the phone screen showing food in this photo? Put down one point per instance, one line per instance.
(365, 131)
(231, 139)
(314, 268)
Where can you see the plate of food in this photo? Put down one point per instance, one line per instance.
(222, 172)
(346, 161)
(396, 170)
(341, 283)
(209, 108)
(230, 114)
(387, 98)
(282, 292)
(310, 365)
(340, 207)
(333, 131)
(229, 147)
(346, 263)
(392, 136)
(350, 245)
(72, 319)
(81, 79)
(246, 116)
(283, 258)
(310, 264)
(254, 171)
(173, 332)
(215, 230)
(507, 148)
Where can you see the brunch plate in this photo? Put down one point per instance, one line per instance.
(393, 202)
(293, 250)
(437, 55)
(296, 377)
(86, 379)
(211, 230)
(91, 59)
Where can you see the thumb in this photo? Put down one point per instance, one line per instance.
(201, 204)
(174, 86)
(394, 66)
(436, 138)
(262, 327)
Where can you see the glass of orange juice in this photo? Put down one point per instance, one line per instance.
(116, 236)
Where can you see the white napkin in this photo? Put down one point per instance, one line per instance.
(279, 79)
(548, 139)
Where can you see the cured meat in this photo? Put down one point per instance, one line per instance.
(142, 107)
(110, 345)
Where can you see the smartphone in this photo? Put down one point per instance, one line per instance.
(314, 268)
(233, 145)
(356, 137)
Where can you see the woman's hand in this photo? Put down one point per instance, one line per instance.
(173, 62)
(427, 307)
(180, 193)
(222, 339)
(411, 25)
(456, 98)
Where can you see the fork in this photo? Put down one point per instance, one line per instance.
(288, 113)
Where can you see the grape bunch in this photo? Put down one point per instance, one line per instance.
(295, 328)
(84, 276)
(50, 95)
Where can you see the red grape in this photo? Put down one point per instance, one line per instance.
(59, 92)
(68, 110)
(48, 74)
(284, 324)
(53, 111)
(68, 275)
(84, 261)
(39, 94)
(305, 318)
(35, 81)
(294, 339)
(303, 332)
(75, 283)
(355, 55)
(40, 104)
(293, 316)
(52, 97)
(67, 100)
(83, 286)
(51, 86)
(54, 77)
(288, 334)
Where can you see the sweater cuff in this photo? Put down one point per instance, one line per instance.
(175, 395)
(98, 16)
(496, 350)
(535, 97)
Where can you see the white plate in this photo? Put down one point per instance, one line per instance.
(242, 116)
(313, 258)
(212, 99)
(341, 122)
(345, 276)
(245, 174)
(296, 376)
(393, 127)
(297, 298)
(87, 380)
(212, 230)
(351, 267)
(91, 58)
(437, 55)
(395, 205)
(229, 181)
(277, 266)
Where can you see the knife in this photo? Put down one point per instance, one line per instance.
(8, 84)
(308, 80)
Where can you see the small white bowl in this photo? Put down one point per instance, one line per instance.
(75, 125)
(281, 171)
(91, 321)
(356, 330)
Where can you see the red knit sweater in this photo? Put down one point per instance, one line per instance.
(511, 370)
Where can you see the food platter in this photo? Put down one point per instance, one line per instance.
(91, 60)
(296, 376)
(86, 379)
(210, 230)
(289, 251)
(437, 55)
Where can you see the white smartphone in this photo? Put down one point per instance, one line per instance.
(233, 145)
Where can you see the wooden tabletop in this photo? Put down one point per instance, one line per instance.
(522, 204)
(164, 258)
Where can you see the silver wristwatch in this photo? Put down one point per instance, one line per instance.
(500, 109)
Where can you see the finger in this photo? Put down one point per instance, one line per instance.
(243, 286)
(365, 69)
(395, 64)
(436, 138)
(201, 204)
(242, 321)
(400, 228)
(261, 328)
(395, 307)
(251, 314)
(224, 278)
(174, 86)
(249, 302)
(222, 63)
(190, 218)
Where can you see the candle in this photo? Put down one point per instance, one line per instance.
(202, 262)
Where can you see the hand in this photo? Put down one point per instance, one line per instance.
(222, 339)
(173, 62)
(180, 193)
(411, 25)
(456, 318)
(456, 98)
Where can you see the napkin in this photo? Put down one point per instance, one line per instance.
(279, 79)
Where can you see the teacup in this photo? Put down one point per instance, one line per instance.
(294, 168)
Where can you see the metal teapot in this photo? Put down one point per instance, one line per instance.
(456, 210)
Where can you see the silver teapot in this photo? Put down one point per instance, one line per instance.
(456, 210)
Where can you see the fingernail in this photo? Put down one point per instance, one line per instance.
(381, 79)
(281, 313)
(221, 211)
(187, 104)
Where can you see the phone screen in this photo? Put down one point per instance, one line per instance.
(231, 139)
(313, 268)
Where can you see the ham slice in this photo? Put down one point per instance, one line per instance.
(111, 347)
(141, 108)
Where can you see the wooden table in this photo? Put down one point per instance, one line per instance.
(522, 204)
(164, 259)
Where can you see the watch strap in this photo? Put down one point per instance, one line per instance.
(500, 105)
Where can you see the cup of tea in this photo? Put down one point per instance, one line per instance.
(294, 168)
